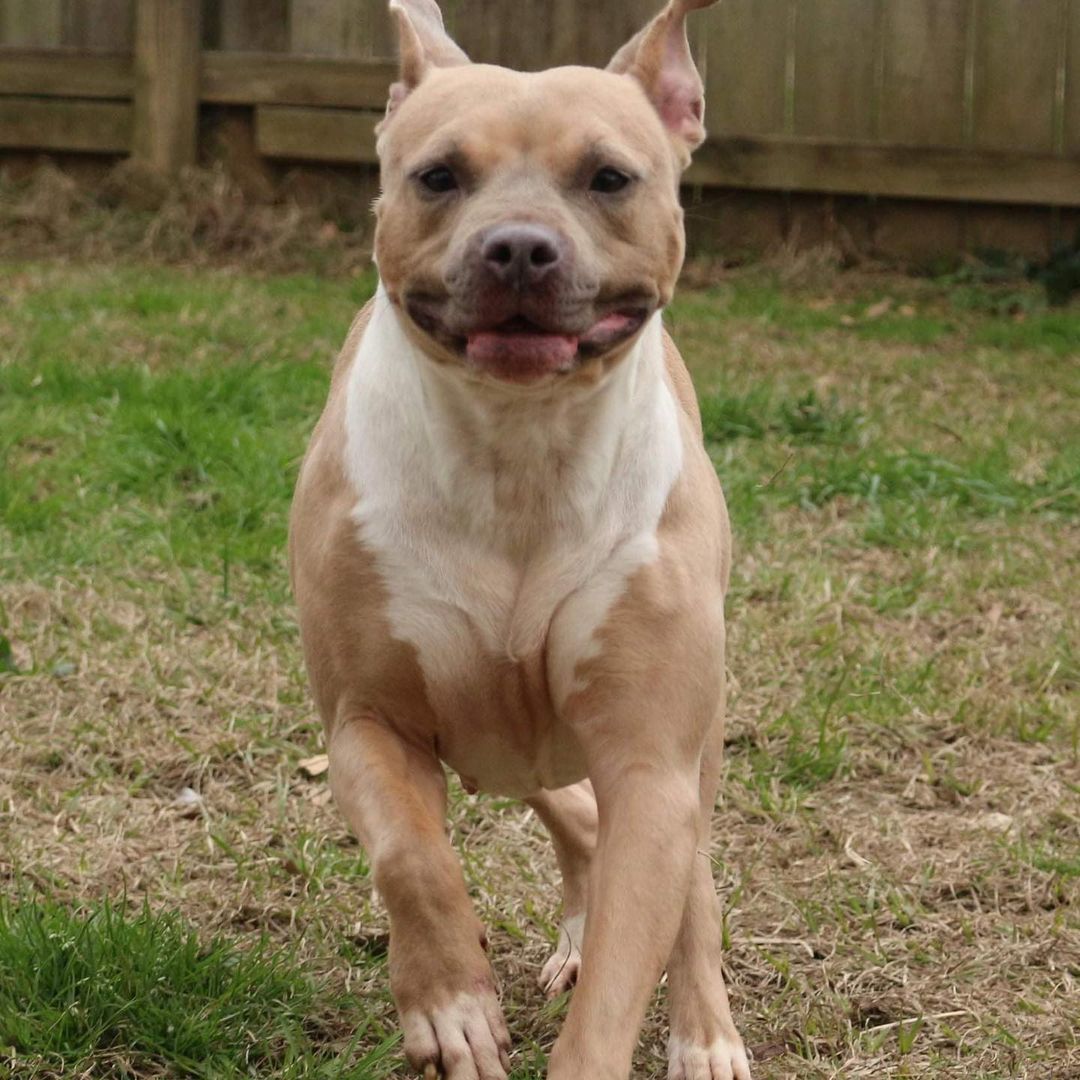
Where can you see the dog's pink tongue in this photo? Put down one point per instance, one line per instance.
(521, 357)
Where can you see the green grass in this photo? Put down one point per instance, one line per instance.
(161, 413)
(138, 991)
(902, 463)
(164, 413)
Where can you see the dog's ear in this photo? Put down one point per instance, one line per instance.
(659, 58)
(423, 43)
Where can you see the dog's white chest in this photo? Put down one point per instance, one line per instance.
(505, 527)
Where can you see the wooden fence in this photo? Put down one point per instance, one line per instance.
(976, 101)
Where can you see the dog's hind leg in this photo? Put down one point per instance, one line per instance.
(570, 817)
(393, 793)
(703, 1042)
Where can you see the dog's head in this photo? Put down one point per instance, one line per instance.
(529, 223)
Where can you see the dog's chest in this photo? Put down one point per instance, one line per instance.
(503, 537)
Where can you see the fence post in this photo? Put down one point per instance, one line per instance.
(168, 53)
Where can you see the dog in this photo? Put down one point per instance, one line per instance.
(509, 549)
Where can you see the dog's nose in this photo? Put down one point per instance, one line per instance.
(520, 254)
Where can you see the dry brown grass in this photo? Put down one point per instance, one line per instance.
(897, 892)
(203, 219)
(901, 884)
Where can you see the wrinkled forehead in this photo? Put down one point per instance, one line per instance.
(492, 117)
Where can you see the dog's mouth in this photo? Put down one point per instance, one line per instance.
(523, 349)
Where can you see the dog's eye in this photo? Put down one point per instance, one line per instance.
(609, 180)
(438, 179)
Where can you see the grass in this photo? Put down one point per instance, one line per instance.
(898, 837)
(143, 992)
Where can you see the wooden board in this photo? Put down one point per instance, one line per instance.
(167, 56)
(267, 79)
(356, 28)
(923, 85)
(65, 73)
(546, 33)
(253, 25)
(746, 49)
(836, 68)
(99, 25)
(1072, 82)
(733, 224)
(31, 22)
(841, 222)
(330, 135)
(98, 126)
(870, 168)
(315, 28)
(917, 232)
(1016, 73)
(523, 40)
(1021, 230)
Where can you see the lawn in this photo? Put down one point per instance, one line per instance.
(898, 835)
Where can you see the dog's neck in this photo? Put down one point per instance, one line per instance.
(516, 468)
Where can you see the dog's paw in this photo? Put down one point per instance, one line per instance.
(725, 1059)
(464, 1040)
(561, 971)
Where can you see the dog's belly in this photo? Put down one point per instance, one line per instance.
(501, 739)
(496, 724)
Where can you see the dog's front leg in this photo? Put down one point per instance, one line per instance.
(570, 817)
(704, 1044)
(648, 809)
(393, 793)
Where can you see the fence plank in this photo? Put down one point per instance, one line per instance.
(98, 126)
(1016, 74)
(592, 34)
(332, 135)
(835, 66)
(355, 28)
(65, 73)
(925, 46)
(254, 25)
(782, 164)
(30, 22)
(99, 25)
(1023, 230)
(167, 62)
(1072, 82)
(314, 27)
(523, 41)
(545, 33)
(746, 53)
(268, 79)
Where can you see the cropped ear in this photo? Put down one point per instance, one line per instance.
(659, 58)
(423, 43)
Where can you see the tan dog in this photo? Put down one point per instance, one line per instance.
(510, 549)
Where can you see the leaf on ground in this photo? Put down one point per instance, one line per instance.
(314, 766)
(188, 803)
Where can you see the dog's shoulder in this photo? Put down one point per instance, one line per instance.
(681, 384)
(695, 521)
(322, 489)
(349, 349)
